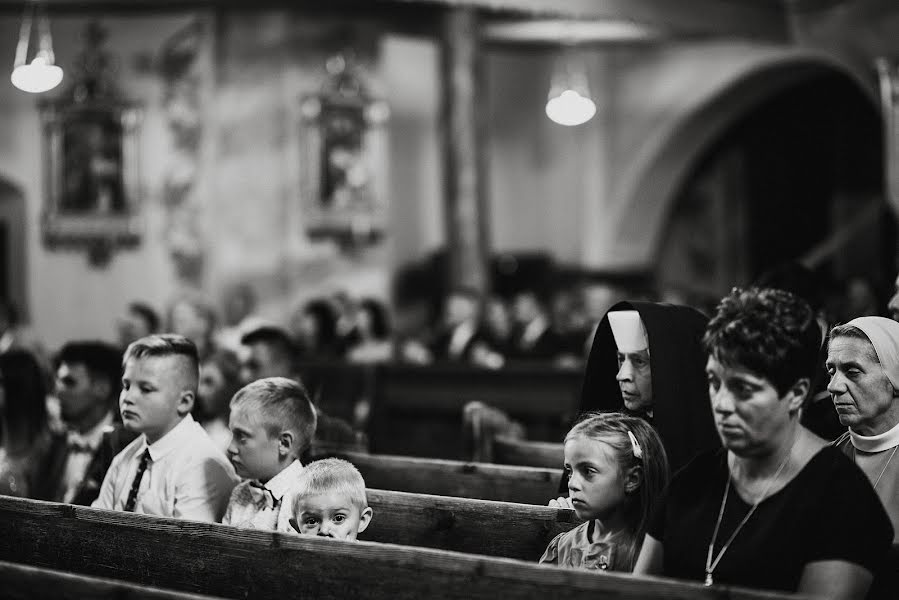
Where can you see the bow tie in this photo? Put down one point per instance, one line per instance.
(265, 500)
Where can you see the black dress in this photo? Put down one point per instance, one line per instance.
(827, 512)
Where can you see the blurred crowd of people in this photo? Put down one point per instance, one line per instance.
(237, 345)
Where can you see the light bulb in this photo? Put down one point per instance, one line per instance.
(37, 77)
(570, 108)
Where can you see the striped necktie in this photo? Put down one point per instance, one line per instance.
(135, 485)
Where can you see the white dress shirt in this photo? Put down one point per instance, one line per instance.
(188, 477)
(82, 448)
(269, 506)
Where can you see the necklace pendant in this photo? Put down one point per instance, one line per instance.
(708, 579)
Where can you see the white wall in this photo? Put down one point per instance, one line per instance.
(67, 298)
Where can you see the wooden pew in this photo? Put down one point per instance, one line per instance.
(339, 387)
(524, 485)
(21, 582)
(232, 563)
(510, 451)
(417, 411)
(465, 525)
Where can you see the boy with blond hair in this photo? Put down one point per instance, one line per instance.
(272, 423)
(173, 468)
(330, 501)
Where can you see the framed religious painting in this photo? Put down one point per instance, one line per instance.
(344, 158)
(92, 181)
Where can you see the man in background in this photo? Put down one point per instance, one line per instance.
(87, 386)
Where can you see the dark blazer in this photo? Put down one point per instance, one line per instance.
(49, 474)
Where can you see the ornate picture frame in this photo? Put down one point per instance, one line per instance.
(92, 171)
(343, 146)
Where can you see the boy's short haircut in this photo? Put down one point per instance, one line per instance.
(281, 404)
(167, 344)
(332, 475)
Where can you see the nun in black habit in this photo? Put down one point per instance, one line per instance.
(679, 408)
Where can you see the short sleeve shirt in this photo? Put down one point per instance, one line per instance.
(827, 512)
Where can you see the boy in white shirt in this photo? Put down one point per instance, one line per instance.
(272, 423)
(173, 469)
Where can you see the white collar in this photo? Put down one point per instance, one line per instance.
(876, 443)
(182, 431)
(281, 483)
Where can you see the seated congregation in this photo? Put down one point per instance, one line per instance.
(690, 461)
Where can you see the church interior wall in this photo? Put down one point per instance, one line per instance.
(569, 192)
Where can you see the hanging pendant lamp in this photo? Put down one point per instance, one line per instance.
(41, 74)
(569, 102)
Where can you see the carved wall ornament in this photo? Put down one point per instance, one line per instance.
(91, 159)
(342, 140)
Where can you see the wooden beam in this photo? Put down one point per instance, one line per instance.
(463, 135)
(757, 19)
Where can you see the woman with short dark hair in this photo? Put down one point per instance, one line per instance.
(777, 507)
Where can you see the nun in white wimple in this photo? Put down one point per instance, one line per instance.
(863, 362)
(647, 359)
(634, 377)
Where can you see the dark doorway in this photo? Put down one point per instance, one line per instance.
(800, 177)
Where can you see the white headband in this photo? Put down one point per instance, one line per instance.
(628, 331)
(884, 336)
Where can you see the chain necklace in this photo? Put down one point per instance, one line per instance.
(883, 470)
(710, 565)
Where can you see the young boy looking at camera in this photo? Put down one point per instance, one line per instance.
(272, 423)
(330, 501)
(173, 468)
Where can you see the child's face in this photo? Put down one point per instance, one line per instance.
(252, 451)
(154, 397)
(331, 515)
(596, 485)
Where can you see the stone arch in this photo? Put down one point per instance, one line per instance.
(648, 189)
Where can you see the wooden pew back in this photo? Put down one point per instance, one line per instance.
(510, 451)
(418, 411)
(32, 583)
(465, 525)
(233, 563)
(525, 485)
